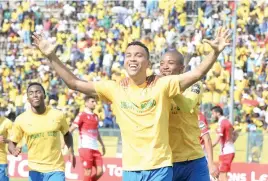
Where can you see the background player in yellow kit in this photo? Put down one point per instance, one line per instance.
(5, 129)
(41, 127)
(142, 111)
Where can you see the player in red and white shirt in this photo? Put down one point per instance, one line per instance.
(206, 144)
(225, 137)
(87, 123)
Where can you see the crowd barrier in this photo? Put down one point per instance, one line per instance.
(113, 170)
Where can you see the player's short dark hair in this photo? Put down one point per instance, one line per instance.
(89, 97)
(217, 109)
(138, 43)
(179, 56)
(38, 84)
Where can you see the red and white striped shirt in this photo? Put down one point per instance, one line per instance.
(225, 131)
(88, 130)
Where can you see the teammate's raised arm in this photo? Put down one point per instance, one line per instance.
(68, 77)
(218, 44)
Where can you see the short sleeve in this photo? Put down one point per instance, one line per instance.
(78, 120)
(105, 90)
(17, 132)
(190, 98)
(183, 103)
(171, 85)
(8, 126)
(64, 128)
(203, 126)
(221, 128)
(195, 93)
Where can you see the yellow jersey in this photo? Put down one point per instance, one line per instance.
(142, 113)
(184, 131)
(5, 130)
(42, 137)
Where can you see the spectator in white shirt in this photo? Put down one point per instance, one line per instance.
(107, 63)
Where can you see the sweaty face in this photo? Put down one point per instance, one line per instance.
(136, 60)
(36, 96)
(91, 104)
(170, 66)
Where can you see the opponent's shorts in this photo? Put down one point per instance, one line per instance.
(225, 162)
(4, 172)
(50, 176)
(192, 170)
(90, 157)
(160, 174)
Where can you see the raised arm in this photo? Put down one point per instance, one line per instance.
(68, 77)
(218, 44)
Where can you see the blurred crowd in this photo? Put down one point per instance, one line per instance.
(92, 36)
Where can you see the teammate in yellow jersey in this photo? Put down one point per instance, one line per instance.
(189, 163)
(41, 127)
(5, 129)
(142, 111)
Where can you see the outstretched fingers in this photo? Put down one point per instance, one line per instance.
(36, 39)
(207, 41)
(227, 37)
(42, 34)
(226, 33)
(217, 32)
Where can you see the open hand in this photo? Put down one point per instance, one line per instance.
(124, 82)
(16, 151)
(222, 39)
(103, 151)
(41, 42)
(213, 170)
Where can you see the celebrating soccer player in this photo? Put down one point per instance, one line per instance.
(188, 156)
(142, 111)
(226, 138)
(41, 127)
(87, 123)
(5, 129)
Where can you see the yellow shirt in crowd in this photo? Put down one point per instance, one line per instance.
(142, 113)
(42, 137)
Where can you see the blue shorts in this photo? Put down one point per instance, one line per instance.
(50, 176)
(160, 174)
(3, 172)
(191, 170)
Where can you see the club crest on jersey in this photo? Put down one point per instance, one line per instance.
(196, 88)
(85, 163)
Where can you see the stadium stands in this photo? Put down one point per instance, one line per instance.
(91, 40)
